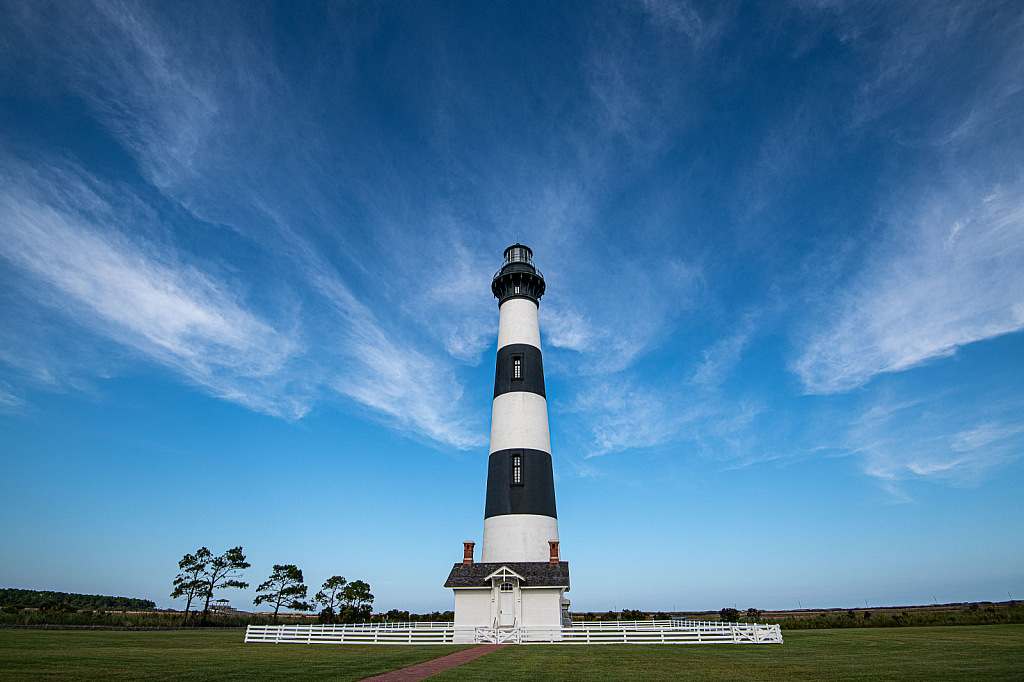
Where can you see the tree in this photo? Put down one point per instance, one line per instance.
(189, 583)
(329, 598)
(357, 598)
(729, 615)
(283, 588)
(223, 571)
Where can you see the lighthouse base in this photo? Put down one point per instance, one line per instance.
(511, 595)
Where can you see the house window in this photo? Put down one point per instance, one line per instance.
(517, 469)
(506, 587)
(517, 368)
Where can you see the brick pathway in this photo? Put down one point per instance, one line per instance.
(421, 671)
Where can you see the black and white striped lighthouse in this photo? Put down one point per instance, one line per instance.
(520, 523)
(521, 579)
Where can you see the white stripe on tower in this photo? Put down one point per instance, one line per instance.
(519, 426)
(518, 323)
(520, 420)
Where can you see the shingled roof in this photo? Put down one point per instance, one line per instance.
(534, 573)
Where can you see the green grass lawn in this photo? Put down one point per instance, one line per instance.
(987, 652)
(69, 655)
(983, 652)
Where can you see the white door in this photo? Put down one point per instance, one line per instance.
(507, 604)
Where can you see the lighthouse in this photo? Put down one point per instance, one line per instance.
(520, 580)
(519, 517)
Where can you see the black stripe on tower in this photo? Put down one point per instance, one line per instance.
(519, 368)
(532, 491)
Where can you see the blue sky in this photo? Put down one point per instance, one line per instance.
(245, 256)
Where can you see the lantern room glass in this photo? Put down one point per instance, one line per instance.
(518, 254)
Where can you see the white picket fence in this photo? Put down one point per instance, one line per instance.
(375, 633)
(588, 632)
(670, 632)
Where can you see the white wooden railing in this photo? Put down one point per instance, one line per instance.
(669, 632)
(375, 633)
(581, 632)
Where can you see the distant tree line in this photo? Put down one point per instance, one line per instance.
(396, 616)
(970, 614)
(975, 614)
(34, 599)
(625, 614)
(729, 615)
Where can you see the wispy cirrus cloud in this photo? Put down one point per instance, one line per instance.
(681, 16)
(80, 241)
(676, 14)
(950, 276)
(195, 122)
(615, 413)
(569, 329)
(135, 76)
(414, 390)
(623, 416)
(722, 356)
(58, 228)
(8, 400)
(937, 438)
(640, 303)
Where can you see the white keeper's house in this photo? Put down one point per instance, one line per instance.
(520, 580)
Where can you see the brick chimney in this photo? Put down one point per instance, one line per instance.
(467, 552)
(554, 551)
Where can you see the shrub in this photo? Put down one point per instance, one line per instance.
(729, 615)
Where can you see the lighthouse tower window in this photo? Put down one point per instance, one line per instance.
(517, 288)
(517, 368)
(517, 469)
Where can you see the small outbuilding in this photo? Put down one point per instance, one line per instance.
(510, 595)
